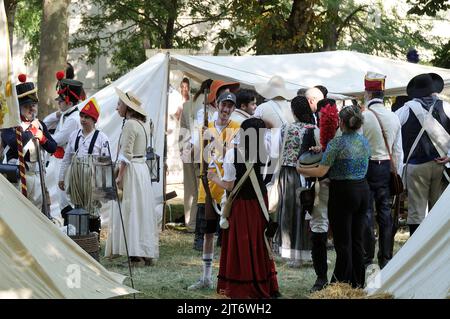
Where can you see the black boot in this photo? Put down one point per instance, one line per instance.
(95, 225)
(412, 228)
(319, 257)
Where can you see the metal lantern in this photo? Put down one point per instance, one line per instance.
(78, 218)
(153, 164)
(152, 158)
(103, 178)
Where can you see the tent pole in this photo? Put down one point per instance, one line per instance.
(163, 223)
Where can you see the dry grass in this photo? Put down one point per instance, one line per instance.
(345, 291)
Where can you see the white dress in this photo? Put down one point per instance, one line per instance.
(138, 202)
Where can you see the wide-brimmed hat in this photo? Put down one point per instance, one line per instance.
(26, 91)
(438, 82)
(132, 101)
(216, 85)
(275, 87)
(424, 85)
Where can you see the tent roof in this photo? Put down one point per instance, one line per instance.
(38, 261)
(342, 72)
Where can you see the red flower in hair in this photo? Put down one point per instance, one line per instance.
(329, 122)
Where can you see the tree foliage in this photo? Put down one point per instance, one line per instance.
(27, 24)
(428, 7)
(310, 26)
(142, 24)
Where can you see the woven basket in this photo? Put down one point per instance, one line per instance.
(89, 243)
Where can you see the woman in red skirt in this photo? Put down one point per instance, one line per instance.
(246, 269)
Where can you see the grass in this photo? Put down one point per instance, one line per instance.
(179, 266)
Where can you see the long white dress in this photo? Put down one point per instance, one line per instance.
(138, 202)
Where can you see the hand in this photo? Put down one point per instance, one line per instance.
(61, 185)
(119, 183)
(39, 135)
(35, 124)
(212, 176)
(442, 160)
(315, 149)
(206, 133)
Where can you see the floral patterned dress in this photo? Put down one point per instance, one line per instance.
(292, 238)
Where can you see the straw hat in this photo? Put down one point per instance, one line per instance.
(131, 101)
(275, 87)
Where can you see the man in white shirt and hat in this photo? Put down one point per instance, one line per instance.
(382, 129)
(64, 122)
(275, 111)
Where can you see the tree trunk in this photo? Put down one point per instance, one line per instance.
(10, 9)
(53, 51)
(170, 25)
(330, 32)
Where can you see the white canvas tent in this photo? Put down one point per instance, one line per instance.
(421, 268)
(38, 261)
(342, 72)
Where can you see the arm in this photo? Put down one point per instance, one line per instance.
(318, 171)
(119, 179)
(47, 143)
(126, 152)
(397, 151)
(403, 114)
(52, 119)
(228, 185)
(229, 172)
(66, 160)
(62, 136)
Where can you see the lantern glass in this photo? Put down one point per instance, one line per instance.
(78, 218)
(103, 178)
(153, 164)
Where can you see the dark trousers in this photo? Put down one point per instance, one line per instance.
(378, 175)
(347, 206)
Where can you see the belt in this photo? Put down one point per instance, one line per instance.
(138, 156)
(379, 161)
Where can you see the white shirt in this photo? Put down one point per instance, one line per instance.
(239, 116)
(65, 125)
(392, 130)
(83, 148)
(229, 171)
(404, 111)
(276, 112)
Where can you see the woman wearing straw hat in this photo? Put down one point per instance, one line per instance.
(139, 216)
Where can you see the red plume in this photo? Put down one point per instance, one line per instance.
(22, 78)
(329, 121)
(60, 75)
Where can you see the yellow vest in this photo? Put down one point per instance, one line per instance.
(223, 139)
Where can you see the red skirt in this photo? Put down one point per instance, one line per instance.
(245, 269)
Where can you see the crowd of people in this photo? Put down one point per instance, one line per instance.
(236, 155)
